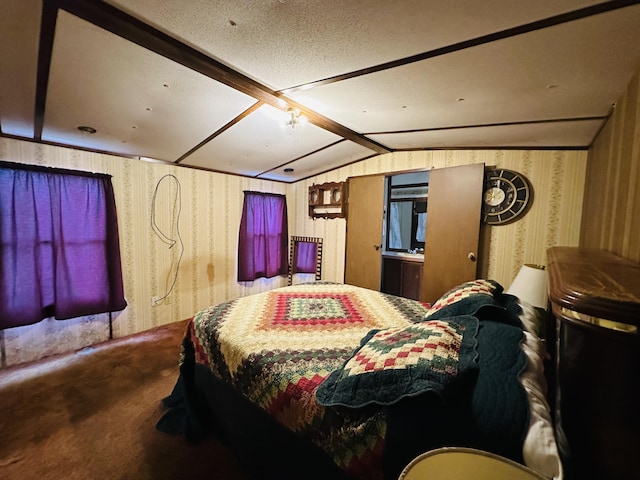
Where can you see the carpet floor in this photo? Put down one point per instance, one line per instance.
(92, 414)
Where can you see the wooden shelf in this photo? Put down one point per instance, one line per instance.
(327, 200)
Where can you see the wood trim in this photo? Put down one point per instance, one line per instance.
(474, 42)
(277, 167)
(230, 124)
(130, 28)
(484, 125)
(595, 283)
(47, 32)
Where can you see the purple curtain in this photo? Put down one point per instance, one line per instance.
(262, 242)
(306, 254)
(60, 253)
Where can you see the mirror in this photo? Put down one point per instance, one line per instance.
(305, 257)
(336, 195)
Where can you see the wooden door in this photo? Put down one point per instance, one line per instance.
(453, 228)
(364, 231)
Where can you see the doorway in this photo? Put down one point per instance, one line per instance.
(452, 230)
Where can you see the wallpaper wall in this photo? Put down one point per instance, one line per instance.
(199, 213)
(557, 178)
(610, 219)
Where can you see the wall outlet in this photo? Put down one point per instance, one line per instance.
(155, 301)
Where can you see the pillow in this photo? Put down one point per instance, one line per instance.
(394, 363)
(481, 298)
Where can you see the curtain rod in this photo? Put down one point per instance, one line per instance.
(265, 193)
(61, 171)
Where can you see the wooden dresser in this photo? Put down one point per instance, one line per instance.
(595, 315)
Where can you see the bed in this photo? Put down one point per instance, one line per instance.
(327, 380)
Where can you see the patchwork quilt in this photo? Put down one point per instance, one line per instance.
(277, 347)
(330, 361)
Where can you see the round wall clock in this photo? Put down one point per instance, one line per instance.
(506, 196)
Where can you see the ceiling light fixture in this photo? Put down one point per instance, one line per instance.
(294, 117)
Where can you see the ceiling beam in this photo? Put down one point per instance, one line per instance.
(45, 48)
(474, 42)
(601, 118)
(134, 30)
(225, 127)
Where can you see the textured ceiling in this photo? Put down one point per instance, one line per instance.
(204, 84)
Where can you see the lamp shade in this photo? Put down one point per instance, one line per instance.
(531, 285)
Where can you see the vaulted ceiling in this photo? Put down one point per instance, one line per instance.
(206, 84)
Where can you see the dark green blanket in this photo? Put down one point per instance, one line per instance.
(492, 415)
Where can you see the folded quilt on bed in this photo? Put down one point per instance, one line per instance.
(395, 363)
(483, 299)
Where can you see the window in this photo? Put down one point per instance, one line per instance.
(60, 253)
(407, 212)
(263, 238)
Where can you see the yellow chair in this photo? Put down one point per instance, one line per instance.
(457, 463)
